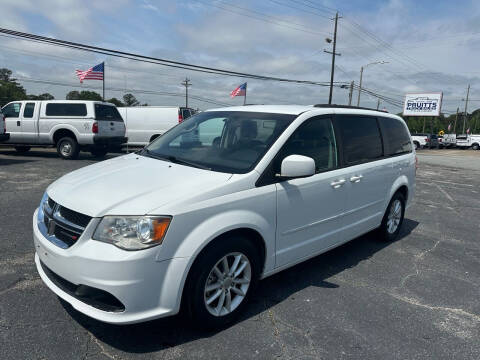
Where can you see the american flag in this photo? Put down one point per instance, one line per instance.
(94, 73)
(239, 91)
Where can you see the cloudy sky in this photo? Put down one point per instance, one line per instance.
(428, 46)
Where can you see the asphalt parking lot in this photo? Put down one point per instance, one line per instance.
(416, 298)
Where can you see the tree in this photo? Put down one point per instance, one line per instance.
(10, 90)
(83, 95)
(130, 100)
(44, 96)
(116, 102)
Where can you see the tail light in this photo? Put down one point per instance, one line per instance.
(180, 117)
(95, 128)
(427, 140)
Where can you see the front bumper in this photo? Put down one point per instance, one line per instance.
(4, 137)
(146, 287)
(109, 141)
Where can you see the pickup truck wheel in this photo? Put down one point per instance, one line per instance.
(68, 148)
(99, 152)
(22, 149)
(416, 144)
(475, 147)
(393, 218)
(221, 281)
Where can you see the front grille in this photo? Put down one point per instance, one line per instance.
(97, 298)
(64, 224)
(74, 217)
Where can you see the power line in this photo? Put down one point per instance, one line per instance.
(153, 60)
(136, 91)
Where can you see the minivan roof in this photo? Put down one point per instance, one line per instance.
(298, 109)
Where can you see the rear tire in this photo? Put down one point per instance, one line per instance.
(229, 293)
(416, 144)
(99, 152)
(68, 148)
(22, 149)
(393, 219)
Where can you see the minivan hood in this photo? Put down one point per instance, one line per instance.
(130, 185)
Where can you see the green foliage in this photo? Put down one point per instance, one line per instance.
(116, 102)
(10, 89)
(44, 96)
(84, 95)
(130, 100)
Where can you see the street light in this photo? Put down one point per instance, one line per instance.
(361, 76)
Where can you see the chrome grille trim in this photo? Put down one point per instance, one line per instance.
(52, 219)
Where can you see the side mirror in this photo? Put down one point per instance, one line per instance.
(297, 166)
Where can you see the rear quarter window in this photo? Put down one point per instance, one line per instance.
(66, 109)
(395, 135)
(107, 113)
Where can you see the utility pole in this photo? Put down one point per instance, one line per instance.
(332, 72)
(187, 84)
(466, 105)
(455, 126)
(350, 95)
(378, 104)
(360, 86)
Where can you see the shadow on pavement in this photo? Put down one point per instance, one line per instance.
(5, 162)
(164, 333)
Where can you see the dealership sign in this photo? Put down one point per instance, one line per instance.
(422, 104)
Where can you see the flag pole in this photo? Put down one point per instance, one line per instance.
(103, 83)
(245, 97)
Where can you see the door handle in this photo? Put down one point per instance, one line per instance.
(337, 184)
(356, 179)
(18, 122)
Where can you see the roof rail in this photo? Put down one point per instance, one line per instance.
(346, 107)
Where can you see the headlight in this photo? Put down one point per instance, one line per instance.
(132, 232)
(42, 205)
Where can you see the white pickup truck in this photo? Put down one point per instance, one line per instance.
(420, 140)
(69, 125)
(468, 141)
(4, 136)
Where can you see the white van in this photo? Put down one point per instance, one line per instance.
(146, 123)
(222, 200)
(69, 125)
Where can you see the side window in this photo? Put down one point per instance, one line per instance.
(28, 111)
(360, 138)
(12, 110)
(314, 138)
(66, 109)
(395, 134)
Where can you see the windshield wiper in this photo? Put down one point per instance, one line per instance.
(186, 162)
(172, 159)
(146, 152)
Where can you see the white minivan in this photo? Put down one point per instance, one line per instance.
(222, 200)
(145, 123)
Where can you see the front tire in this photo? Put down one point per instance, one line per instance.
(393, 218)
(475, 147)
(221, 281)
(68, 148)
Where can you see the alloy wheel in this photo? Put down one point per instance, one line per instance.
(227, 284)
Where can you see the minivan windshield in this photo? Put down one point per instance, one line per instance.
(225, 141)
